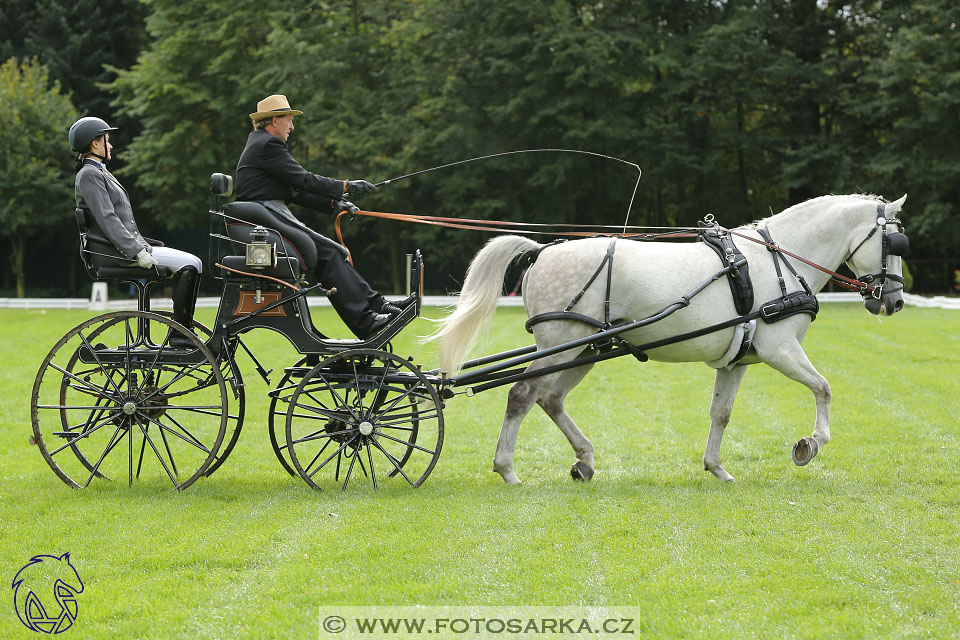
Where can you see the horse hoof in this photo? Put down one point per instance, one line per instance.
(581, 471)
(804, 451)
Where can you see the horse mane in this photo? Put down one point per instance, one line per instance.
(862, 196)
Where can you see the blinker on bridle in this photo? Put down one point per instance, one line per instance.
(892, 244)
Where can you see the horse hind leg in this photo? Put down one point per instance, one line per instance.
(552, 402)
(520, 399)
(725, 387)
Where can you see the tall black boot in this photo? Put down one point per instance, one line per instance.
(186, 284)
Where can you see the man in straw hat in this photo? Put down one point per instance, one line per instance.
(268, 174)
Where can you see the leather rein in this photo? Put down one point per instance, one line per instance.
(861, 285)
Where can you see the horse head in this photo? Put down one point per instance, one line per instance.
(878, 256)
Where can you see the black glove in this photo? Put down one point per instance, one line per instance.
(360, 187)
(345, 205)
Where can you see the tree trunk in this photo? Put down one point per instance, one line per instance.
(18, 244)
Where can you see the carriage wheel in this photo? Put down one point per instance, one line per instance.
(364, 414)
(234, 419)
(112, 399)
(281, 393)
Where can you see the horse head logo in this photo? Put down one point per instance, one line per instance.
(45, 593)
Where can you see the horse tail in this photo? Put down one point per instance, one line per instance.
(482, 285)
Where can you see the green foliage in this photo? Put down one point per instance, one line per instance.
(734, 108)
(191, 91)
(37, 185)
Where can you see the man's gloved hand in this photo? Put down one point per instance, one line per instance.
(360, 187)
(345, 205)
(146, 260)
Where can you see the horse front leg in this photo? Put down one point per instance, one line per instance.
(792, 362)
(725, 387)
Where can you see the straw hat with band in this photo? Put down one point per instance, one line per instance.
(273, 106)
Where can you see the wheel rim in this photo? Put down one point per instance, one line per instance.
(112, 400)
(364, 415)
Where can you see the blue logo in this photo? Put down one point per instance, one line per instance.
(45, 593)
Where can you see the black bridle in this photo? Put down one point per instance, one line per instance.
(892, 244)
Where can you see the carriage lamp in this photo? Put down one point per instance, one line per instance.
(260, 253)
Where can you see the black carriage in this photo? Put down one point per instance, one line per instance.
(113, 399)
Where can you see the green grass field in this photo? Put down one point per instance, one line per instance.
(862, 543)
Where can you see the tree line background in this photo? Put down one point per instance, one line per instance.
(738, 108)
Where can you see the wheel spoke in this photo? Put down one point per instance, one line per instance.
(130, 456)
(407, 418)
(143, 446)
(353, 459)
(157, 453)
(166, 445)
(84, 434)
(373, 474)
(191, 441)
(393, 461)
(331, 456)
(108, 449)
(179, 376)
(332, 414)
(94, 390)
(318, 435)
(79, 407)
(405, 443)
(319, 453)
(400, 397)
(336, 396)
(103, 369)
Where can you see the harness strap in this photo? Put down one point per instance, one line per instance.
(562, 315)
(567, 314)
(608, 262)
(720, 240)
(777, 257)
(771, 247)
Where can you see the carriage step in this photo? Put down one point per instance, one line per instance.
(69, 435)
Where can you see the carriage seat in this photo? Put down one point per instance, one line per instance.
(293, 240)
(102, 261)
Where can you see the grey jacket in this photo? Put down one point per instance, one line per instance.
(101, 193)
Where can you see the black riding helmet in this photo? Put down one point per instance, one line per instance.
(86, 130)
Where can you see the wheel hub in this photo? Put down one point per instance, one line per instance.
(339, 429)
(155, 403)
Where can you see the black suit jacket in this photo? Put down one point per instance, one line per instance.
(267, 171)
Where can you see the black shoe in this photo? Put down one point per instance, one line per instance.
(391, 309)
(380, 320)
(400, 304)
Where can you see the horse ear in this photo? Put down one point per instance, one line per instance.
(66, 556)
(893, 207)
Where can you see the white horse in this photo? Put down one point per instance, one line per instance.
(647, 277)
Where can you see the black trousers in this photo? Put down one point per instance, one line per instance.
(355, 300)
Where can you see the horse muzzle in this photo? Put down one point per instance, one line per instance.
(886, 305)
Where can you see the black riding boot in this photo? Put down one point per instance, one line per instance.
(186, 284)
